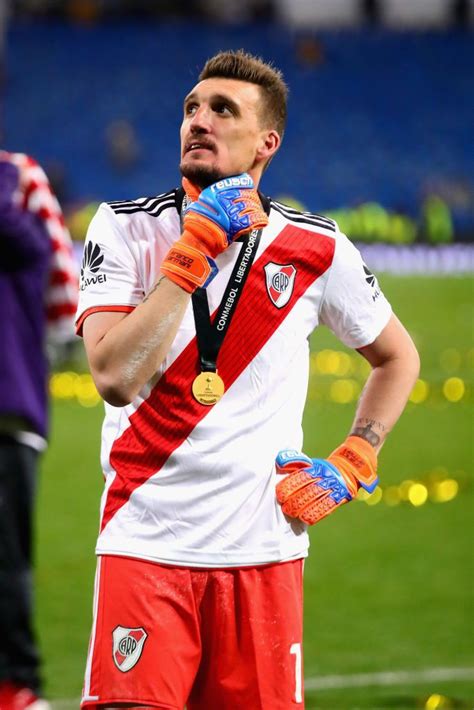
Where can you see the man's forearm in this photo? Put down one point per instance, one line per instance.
(383, 399)
(131, 352)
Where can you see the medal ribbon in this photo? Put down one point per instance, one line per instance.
(210, 336)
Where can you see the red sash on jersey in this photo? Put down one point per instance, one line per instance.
(169, 415)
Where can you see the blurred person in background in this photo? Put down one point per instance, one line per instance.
(198, 596)
(38, 298)
(123, 148)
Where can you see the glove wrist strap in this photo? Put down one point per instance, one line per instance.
(204, 235)
(357, 460)
(188, 267)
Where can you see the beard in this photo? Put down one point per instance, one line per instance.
(201, 175)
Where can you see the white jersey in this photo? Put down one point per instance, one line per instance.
(187, 484)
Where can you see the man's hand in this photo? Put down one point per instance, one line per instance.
(313, 488)
(220, 214)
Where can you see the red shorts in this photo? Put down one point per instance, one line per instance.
(210, 639)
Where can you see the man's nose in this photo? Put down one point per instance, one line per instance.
(200, 122)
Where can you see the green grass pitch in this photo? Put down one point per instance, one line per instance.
(387, 587)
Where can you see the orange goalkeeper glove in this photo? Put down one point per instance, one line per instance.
(313, 488)
(217, 216)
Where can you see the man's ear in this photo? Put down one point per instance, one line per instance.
(270, 143)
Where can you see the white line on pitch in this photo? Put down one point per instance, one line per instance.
(359, 680)
(364, 680)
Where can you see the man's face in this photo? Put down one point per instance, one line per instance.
(221, 133)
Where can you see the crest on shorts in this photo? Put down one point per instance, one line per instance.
(128, 647)
(280, 281)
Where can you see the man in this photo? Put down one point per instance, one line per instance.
(196, 307)
(38, 298)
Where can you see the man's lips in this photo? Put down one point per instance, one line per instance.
(194, 145)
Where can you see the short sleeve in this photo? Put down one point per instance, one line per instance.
(353, 305)
(110, 278)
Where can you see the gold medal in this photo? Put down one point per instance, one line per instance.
(208, 388)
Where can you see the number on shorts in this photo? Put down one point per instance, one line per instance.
(295, 649)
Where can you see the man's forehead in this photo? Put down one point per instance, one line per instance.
(220, 86)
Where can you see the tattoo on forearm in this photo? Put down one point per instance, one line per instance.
(365, 429)
(153, 289)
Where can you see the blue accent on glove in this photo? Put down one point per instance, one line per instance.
(287, 456)
(217, 203)
(330, 479)
(369, 487)
(214, 272)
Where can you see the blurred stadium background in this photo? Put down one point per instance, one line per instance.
(380, 136)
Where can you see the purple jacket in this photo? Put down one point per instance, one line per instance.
(25, 254)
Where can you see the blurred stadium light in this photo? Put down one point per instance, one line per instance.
(420, 14)
(320, 13)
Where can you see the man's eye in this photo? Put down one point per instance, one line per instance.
(190, 109)
(222, 109)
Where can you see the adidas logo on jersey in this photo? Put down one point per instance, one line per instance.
(372, 281)
(91, 263)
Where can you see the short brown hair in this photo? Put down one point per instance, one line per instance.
(243, 66)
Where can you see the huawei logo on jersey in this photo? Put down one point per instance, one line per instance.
(127, 646)
(91, 263)
(280, 280)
